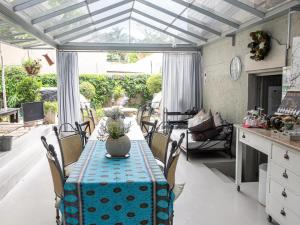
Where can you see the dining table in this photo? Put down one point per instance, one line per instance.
(131, 191)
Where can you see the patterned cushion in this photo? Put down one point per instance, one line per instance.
(201, 123)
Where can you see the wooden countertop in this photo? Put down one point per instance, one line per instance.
(267, 134)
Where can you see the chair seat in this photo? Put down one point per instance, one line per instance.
(68, 169)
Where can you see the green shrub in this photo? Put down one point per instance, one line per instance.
(154, 84)
(48, 80)
(28, 90)
(13, 76)
(87, 90)
(51, 107)
(118, 92)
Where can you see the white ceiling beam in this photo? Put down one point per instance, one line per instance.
(83, 46)
(208, 13)
(170, 25)
(246, 8)
(163, 31)
(85, 26)
(80, 18)
(189, 21)
(93, 31)
(27, 4)
(12, 17)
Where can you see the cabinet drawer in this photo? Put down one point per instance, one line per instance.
(286, 158)
(255, 141)
(286, 197)
(285, 177)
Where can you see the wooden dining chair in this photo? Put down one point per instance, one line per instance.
(70, 148)
(84, 130)
(148, 129)
(57, 179)
(159, 144)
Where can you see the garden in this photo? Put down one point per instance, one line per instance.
(101, 90)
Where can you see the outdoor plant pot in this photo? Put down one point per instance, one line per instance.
(32, 70)
(118, 147)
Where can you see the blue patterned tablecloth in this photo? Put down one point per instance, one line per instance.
(129, 191)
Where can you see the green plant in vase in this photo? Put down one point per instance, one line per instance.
(117, 144)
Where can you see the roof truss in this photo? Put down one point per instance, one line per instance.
(7, 12)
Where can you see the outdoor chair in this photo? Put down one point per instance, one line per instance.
(148, 128)
(159, 144)
(57, 178)
(84, 130)
(92, 119)
(144, 113)
(70, 149)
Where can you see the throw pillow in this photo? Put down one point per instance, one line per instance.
(205, 135)
(201, 123)
(218, 119)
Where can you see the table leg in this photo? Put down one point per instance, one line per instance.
(239, 159)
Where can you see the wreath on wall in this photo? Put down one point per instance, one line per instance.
(260, 45)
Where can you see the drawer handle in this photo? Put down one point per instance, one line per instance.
(286, 156)
(284, 193)
(285, 175)
(282, 212)
(243, 136)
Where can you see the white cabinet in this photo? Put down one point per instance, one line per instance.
(283, 176)
(284, 193)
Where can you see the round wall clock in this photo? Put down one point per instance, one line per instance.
(235, 68)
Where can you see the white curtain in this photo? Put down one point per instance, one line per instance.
(182, 83)
(68, 88)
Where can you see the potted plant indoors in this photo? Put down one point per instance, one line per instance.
(117, 144)
(32, 66)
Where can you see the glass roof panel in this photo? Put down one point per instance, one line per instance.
(153, 12)
(71, 26)
(11, 34)
(264, 5)
(115, 34)
(103, 3)
(147, 20)
(96, 26)
(143, 35)
(112, 11)
(48, 7)
(185, 36)
(168, 4)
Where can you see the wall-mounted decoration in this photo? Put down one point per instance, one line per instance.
(235, 68)
(291, 74)
(260, 45)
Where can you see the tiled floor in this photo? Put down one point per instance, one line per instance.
(206, 200)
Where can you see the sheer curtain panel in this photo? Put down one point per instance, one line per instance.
(68, 88)
(182, 83)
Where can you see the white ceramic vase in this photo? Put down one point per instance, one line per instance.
(118, 147)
